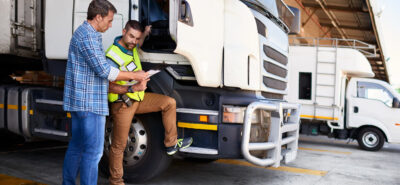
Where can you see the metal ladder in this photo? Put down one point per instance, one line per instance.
(319, 73)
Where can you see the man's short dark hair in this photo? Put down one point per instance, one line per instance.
(101, 7)
(134, 25)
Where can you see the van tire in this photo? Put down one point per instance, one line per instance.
(370, 139)
(154, 161)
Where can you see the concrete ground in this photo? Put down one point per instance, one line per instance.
(320, 161)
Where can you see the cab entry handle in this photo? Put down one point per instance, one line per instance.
(185, 13)
(355, 109)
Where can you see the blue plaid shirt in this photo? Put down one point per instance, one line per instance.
(88, 72)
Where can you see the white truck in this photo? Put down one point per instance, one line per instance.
(224, 62)
(339, 98)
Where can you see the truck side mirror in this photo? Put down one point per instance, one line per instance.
(294, 24)
(396, 103)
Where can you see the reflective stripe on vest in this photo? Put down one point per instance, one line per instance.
(125, 61)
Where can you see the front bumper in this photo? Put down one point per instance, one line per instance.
(283, 138)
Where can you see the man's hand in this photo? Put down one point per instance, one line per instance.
(140, 86)
(139, 75)
(147, 30)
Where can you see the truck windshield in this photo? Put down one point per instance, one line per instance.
(375, 92)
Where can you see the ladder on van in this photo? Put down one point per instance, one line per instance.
(325, 83)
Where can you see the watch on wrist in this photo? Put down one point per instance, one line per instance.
(130, 90)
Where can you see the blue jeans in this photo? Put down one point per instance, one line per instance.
(85, 148)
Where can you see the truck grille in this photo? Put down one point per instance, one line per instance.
(275, 73)
(275, 55)
(274, 62)
(273, 83)
(275, 69)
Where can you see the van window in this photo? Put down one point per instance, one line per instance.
(374, 92)
(305, 86)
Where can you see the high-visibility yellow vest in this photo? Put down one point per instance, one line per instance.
(126, 63)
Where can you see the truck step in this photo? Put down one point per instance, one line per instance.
(51, 102)
(50, 132)
(197, 111)
(199, 150)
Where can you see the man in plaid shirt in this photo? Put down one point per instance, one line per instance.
(85, 93)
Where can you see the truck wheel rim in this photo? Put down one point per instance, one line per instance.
(136, 145)
(370, 139)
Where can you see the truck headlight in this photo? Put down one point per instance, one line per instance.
(235, 114)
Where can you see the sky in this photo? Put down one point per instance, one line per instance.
(389, 14)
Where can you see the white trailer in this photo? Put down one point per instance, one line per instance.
(339, 98)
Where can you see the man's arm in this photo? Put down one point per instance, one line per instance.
(146, 33)
(96, 59)
(94, 56)
(116, 88)
(120, 89)
(136, 75)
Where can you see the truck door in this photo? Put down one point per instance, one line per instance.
(371, 103)
(197, 27)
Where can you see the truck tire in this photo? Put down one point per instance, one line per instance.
(144, 156)
(370, 139)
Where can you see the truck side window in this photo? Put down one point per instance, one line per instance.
(305, 86)
(374, 92)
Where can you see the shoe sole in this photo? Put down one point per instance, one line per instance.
(172, 152)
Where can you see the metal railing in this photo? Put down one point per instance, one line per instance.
(369, 50)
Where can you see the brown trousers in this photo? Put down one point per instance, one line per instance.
(123, 115)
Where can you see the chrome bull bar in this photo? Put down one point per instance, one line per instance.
(277, 129)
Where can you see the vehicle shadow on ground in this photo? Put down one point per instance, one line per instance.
(191, 172)
(332, 143)
(348, 144)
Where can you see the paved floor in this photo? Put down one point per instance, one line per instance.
(320, 161)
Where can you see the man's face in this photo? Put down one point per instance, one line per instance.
(131, 37)
(104, 23)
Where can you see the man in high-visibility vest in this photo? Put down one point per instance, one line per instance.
(128, 98)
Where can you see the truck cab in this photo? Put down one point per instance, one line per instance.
(373, 105)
